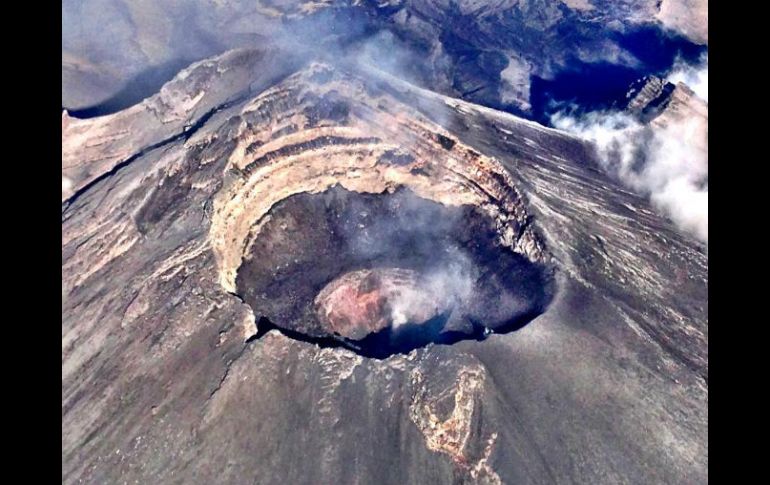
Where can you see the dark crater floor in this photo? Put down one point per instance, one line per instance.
(383, 274)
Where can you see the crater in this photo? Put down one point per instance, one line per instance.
(386, 273)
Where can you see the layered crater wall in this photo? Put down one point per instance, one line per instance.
(331, 178)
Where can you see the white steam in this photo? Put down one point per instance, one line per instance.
(444, 288)
(694, 76)
(667, 161)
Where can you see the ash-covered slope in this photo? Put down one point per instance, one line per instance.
(244, 262)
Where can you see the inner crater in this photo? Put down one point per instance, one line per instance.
(386, 273)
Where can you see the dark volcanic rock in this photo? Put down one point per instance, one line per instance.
(648, 97)
(168, 248)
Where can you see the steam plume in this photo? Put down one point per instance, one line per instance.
(669, 162)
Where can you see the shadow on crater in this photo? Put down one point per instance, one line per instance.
(135, 90)
(387, 342)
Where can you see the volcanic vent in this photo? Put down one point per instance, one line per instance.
(350, 219)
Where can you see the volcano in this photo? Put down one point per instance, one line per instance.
(285, 272)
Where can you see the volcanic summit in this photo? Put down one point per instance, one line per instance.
(285, 263)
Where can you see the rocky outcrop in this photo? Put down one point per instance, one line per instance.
(653, 98)
(202, 265)
(674, 109)
(648, 97)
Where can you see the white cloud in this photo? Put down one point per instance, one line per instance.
(696, 77)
